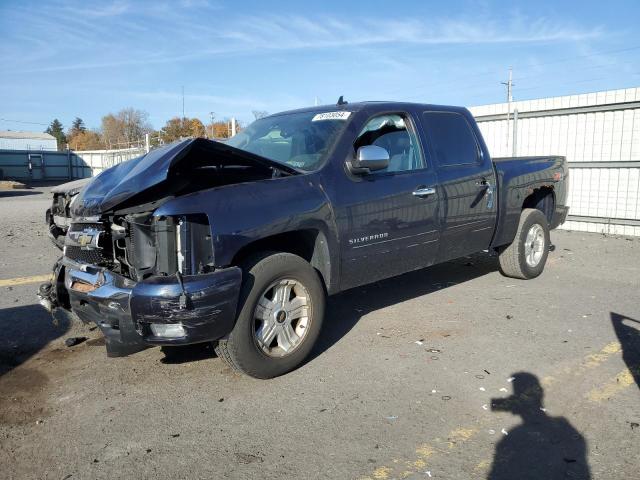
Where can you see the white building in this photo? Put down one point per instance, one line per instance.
(14, 140)
(599, 133)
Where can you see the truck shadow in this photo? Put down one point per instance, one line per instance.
(25, 331)
(345, 309)
(628, 332)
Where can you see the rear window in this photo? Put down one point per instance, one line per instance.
(451, 137)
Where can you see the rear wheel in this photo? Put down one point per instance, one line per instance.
(526, 257)
(279, 316)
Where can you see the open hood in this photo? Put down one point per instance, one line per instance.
(176, 168)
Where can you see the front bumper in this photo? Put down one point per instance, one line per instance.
(204, 305)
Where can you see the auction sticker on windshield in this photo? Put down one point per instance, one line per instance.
(331, 116)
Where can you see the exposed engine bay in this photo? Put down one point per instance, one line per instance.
(114, 225)
(139, 245)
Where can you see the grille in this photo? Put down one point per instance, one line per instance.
(78, 227)
(79, 253)
(93, 257)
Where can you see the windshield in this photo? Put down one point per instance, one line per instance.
(300, 140)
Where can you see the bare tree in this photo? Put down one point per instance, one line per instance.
(125, 128)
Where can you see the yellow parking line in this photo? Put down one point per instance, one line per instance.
(620, 382)
(11, 282)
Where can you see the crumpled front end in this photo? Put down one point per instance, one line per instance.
(147, 278)
(144, 281)
(58, 216)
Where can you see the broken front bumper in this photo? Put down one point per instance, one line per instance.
(201, 307)
(57, 228)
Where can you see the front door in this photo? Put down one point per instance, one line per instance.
(389, 218)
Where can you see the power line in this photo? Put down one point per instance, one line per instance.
(561, 60)
(21, 121)
(495, 72)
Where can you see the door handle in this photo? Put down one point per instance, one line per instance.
(484, 183)
(423, 192)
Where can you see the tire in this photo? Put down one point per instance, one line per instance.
(525, 259)
(274, 283)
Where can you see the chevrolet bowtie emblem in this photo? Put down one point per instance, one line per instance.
(84, 240)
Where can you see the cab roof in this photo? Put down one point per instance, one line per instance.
(374, 106)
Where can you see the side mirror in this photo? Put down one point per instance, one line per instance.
(369, 159)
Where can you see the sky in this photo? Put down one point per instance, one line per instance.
(66, 59)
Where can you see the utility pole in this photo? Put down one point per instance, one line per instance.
(509, 84)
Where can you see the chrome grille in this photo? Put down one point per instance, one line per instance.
(92, 257)
(84, 242)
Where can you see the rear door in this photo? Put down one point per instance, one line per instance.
(389, 219)
(466, 184)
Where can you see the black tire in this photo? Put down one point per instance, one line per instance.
(241, 350)
(512, 258)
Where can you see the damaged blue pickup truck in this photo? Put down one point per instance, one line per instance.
(239, 243)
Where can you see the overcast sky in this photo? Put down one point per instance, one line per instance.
(83, 58)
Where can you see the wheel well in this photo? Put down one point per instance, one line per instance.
(309, 244)
(542, 199)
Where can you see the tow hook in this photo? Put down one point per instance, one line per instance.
(46, 298)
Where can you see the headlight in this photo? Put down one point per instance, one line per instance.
(72, 201)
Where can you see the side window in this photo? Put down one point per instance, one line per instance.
(453, 141)
(392, 133)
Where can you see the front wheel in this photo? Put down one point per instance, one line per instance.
(526, 257)
(279, 316)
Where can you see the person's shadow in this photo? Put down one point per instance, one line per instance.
(542, 447)
(628, 333)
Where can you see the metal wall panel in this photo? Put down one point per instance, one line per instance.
(50, 145)
(599, 133)
(53, 166)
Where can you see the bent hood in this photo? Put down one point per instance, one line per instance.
(71, 188)
(121, 182)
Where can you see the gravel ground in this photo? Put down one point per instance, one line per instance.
(400, 386)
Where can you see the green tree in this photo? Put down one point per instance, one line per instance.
(77, 126)
(76, 131)
(57, 130)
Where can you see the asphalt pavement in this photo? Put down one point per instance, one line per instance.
(452, 372)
